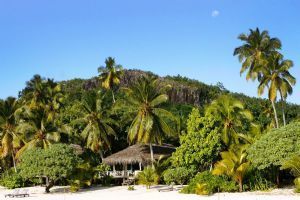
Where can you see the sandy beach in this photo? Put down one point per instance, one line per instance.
(141, 193)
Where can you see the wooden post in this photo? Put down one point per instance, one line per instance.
(114, 168)
(140, 165)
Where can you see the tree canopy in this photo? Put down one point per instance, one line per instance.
(200, 146)
(54, 163)
(273, 148)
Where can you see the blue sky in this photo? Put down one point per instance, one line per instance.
(64, 39)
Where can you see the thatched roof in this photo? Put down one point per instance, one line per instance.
(138, 153)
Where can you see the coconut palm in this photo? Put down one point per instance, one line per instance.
(36, 130)
(43, 94)
(143, 105)
(110, 75)
(254, 55)
(277, 79)
(234, 164)
(254, 52)
(10, 140)
(97, 123)
(231, 114)
(34, 92)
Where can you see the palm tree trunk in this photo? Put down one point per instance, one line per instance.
(14, 161)
(152, 156)
(241, 185)
(275, 113)
(113, 96)
(282, 107)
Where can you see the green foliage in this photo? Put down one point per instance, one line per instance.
(148, 177)
(232, 117)
(293, 164)
(297, 185)
(233, 164)
(257, 180)
(200, 146)
(179, 175)
(96, 122)
(11, 180)
(275, 147)
(56, 162)
(201, 189)
(85, 175)
(130, 188)
(209, 184)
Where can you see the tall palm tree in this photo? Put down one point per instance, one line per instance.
(10, 140)
(97, 123)
(277, 79)
(254, 55)
(143, 104)
(110, 75)
(231, 113)
(254, 52)
(234, 164)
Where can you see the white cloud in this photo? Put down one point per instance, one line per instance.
(215, 13)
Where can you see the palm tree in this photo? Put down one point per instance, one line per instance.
(143, 104)
(277, 79)
(231, 114)
(36, 130)
(254, 52)
(234, 164)
(10, 140)
(110, 75)
(254, 55)
(97, 123)
(34, 92)
(41, 93)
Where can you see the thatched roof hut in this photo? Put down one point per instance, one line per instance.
(138, 154)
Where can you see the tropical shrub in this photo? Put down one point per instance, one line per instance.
(212, 183)
(10, 179)
(233, 164)
(293, 164)
(148, 177)
(275, 147)
(56, 162)
(179, 175)
(257, 180)
(201, 189)
(201, 144)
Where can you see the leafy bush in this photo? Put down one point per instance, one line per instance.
(201, 189)
(56, 162)
(212, 183)
(148, 177)
(201, 145)
(285, 143)
(11, 180)
(257, 180)
(179, 175)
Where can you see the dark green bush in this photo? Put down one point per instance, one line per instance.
(11, 180)
(212, 183)
(179, 175)
(257, 180)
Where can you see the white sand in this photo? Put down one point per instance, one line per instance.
(140, 193)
